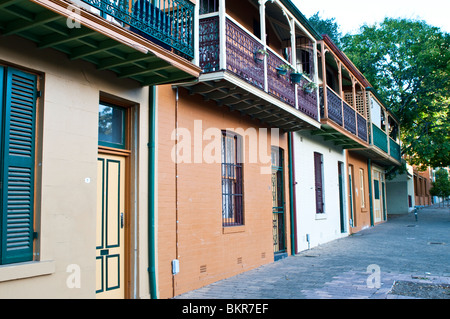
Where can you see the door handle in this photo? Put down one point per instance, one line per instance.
(121, 220)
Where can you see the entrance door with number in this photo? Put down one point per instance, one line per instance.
(279, 236)
(377, 204)
(110, 226)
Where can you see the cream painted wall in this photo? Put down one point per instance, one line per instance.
(67, 204)
(326, 227)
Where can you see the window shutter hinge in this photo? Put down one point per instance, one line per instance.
(35, 235)
(38, 94)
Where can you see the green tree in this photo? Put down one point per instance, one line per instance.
(408, 63)
(326, 26)
(441, 186)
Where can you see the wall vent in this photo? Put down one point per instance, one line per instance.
(202, 268)
(239, 260)
(263, 255)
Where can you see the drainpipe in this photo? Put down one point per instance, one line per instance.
(151, 193)
(292, 201)
(369, 168)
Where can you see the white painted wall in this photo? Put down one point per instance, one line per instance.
(321, 228)
(375, 112)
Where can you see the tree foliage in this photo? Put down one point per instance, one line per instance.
(441, 185)
(326, 26)
(408, 63)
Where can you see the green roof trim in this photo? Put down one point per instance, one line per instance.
(303, 20)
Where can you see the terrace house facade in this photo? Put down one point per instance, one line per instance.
(224, 205)
(76, 104)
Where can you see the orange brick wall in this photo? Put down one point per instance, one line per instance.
(206, 251)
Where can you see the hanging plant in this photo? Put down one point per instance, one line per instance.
(259, 55)
(283, 69)
(309, 87)
(296, 77)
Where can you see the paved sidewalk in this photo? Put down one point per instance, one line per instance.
(398, 259)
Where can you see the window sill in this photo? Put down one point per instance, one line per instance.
(321, 216)
(233, 229)
(26, 270)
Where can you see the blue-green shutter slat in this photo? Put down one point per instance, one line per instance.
(18, 151)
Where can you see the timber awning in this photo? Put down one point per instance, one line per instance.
(109, 46)
(227, 90)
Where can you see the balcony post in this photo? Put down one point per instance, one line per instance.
(386, 130)
(262, 21)
(354, 101)
(222, 36)
(196, 60)
(339, 65)
(293, 55)
(324, 80)
(316, 77)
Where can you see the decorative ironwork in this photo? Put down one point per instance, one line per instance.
(379, 138)
(279, 85)
(232, 195)
(209, 51)
(349, 118)
(362, 127)
(307, 101)
(169, 23)
(279, 240)
(334, 103)
(240, 48)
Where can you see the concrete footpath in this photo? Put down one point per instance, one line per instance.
(399, 259)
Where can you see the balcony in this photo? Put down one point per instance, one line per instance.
(152, 44)
(383, 134)
(251, 85)
(168, 23)
(343, 115)
(386, 144)
(233, 75)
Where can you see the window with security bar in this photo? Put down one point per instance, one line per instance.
(232, 196)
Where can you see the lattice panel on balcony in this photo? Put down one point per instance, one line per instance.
(279, 85)
(349, 118)
(240, 55)
(307, 101)
(362, 127)
(209, 51)
(334, 107)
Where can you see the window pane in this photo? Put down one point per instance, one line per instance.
(111, 129)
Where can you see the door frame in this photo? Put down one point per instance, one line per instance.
(351, 194)
(341, 181)
(281, 214)
(131, 117)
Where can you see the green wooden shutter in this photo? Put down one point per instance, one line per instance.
(18, 160)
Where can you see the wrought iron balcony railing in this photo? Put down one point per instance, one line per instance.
(240, 48)
(168, 23)
(340, 112)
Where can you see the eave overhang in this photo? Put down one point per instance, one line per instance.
(336, 134)
(378, 156)
(228, 90)
(107, 45)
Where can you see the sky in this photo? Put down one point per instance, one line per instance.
(351, 14)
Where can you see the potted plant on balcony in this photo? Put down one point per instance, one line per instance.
(259, 55)
(296, 77)
(283, 68)
(309, 87)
